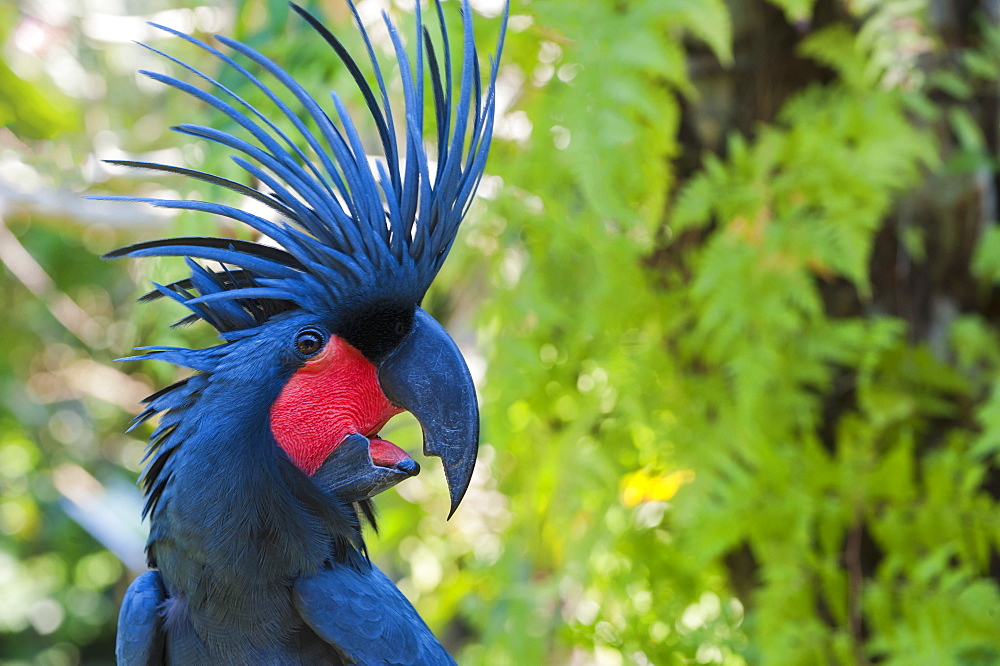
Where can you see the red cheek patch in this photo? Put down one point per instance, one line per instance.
(335, 394)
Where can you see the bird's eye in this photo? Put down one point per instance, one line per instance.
(308, 342)
(400, 328)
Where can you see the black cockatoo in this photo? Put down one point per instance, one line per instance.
(263, 460)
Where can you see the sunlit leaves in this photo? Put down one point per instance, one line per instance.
(731, 367)
(797, 11)
(614, 93)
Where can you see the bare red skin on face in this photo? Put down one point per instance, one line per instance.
(335, 394)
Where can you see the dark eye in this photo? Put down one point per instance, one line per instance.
(308, 342)
(400, 328)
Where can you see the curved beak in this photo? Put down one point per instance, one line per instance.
(427, 376)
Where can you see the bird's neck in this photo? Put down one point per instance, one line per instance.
(236, 515)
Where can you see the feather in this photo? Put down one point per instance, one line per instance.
(140, 627)
(356, 232)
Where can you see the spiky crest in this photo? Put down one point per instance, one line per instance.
(352, 236)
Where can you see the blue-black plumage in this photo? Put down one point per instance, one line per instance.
(264, 460)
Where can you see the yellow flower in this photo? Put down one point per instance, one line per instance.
(644, 486)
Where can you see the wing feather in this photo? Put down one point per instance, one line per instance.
(366, 618)
(141, 637)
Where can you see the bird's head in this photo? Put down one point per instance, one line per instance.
(349, 374)
(324, 318)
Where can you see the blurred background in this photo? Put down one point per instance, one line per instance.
(730, 295)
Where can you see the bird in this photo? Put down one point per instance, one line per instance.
(262, 464)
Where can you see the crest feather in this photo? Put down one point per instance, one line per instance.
(348, 232)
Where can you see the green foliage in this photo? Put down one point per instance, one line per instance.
(839, 510)
(31, 109)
